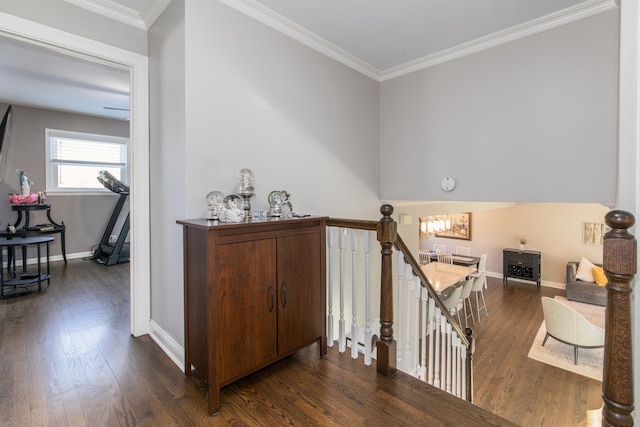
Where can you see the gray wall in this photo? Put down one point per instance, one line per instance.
(74, 19)
(85, 216)
(531, 120)
(167, 166)
(253, 98)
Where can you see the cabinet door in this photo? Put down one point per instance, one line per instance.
(246, 307)
(300, 311)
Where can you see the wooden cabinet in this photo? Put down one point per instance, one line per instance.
(524, 265)
(254, 293)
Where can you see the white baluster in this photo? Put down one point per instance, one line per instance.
(408, 361)
(367, 297)
(341, 326)
(398, 298)
(330, 289)
(464, 372)
(432, 331)
(448, 358)
(415, 324)
(454, 365)
(354, 299)
(461, 352)
(424, 295)
(438, 332)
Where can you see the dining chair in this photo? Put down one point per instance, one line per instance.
(439, 248)
(479, 284)
(482, 268)
(424, 257)
(445, 258)
(463, 250)
(451, 302)
(465, 299)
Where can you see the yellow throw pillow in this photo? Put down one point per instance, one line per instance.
(598, 274)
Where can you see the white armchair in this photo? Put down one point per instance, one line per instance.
(570, 327)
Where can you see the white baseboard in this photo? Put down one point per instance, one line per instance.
(170, 346)
(545, 283)
(53, 258)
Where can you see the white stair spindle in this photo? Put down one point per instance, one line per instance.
(423, 333)
(330, 288)
(341, 325)
(436, 351)
(396, 314)
(464, 372)
(367, 297)
(408, 361)
(432, 331)
(415, 325)
(449, 347)
(454, 365)
(354, 299)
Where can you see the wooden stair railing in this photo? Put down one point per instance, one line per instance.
(386, 344)
(620, 265)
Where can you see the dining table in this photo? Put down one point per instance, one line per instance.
(443, 276)
(466, 260)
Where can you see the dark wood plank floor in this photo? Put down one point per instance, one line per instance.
(68, 360)
(507, 382)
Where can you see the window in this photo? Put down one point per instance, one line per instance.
(73, 160)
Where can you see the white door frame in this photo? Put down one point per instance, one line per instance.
(91, 50)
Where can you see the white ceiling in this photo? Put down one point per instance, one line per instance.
(380, 38)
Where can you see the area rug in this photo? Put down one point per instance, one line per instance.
(560, 355)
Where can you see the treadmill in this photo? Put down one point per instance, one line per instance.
(111, 253)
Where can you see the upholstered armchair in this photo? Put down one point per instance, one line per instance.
(570, 327)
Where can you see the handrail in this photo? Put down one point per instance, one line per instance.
(620, 265)
(358, 224)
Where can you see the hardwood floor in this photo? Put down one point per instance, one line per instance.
(507, 382)
(68, 360)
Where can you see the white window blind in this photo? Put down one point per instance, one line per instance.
(74, 160)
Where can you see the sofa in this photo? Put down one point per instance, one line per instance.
(578, 290)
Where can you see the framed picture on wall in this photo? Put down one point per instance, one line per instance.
(593, 233)
(456, 226)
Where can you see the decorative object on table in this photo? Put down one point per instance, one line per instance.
(25, 183)
(523, 240)
(275, 203)
(287, 208)
(561, 355)
(246, 188)
(42, 196)
(231, 210)
(19, 199)
(215, 202)
(286, 203)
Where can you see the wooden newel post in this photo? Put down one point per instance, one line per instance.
(386, 345)
(619, 262)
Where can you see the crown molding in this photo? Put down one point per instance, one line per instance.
(575, 13)
(281, 24)
(260, 13)
(142, 19)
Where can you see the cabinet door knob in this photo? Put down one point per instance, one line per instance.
(284, 295)
(271, 299)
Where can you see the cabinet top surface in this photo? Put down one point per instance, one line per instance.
(522, 252)
(212, 223)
